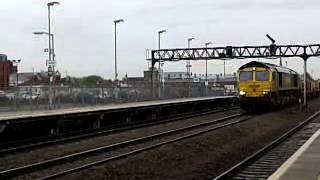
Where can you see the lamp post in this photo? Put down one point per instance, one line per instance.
(115, 48)
(159, 41)
(16, 63)
(224, 68)
(207, 44)
(188, 65)
(159, 47)
(52, 41)
(206, 82)
(50, 51)
(50, 63)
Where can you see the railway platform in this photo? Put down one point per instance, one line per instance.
(38, 123)
(304, 164)
(34, 114)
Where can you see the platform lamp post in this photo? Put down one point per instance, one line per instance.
(159, 41)
(16, 63)
(207, 44)
(159, 47)
(52, 42)
(207, 54)
(50, 51)
(188, 65)
(50, 62)
(115, 48)
(117, 85)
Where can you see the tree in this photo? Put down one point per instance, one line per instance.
(90, 81)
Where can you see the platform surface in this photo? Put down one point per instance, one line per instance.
(29, 114)
(304, 164)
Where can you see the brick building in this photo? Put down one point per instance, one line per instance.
(6, 69)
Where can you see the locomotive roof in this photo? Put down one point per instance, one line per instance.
(269, 66)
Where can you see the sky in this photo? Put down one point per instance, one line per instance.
(84, 32)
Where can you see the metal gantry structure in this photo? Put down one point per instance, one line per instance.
(236, 52)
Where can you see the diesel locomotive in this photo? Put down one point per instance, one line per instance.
(265, 85)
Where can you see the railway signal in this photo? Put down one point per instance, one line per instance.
(271, 39)
(273, 47)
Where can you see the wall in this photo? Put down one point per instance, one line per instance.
(5, 71)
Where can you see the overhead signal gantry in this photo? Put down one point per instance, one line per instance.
(236, 52)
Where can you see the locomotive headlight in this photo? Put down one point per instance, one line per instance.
(264, 92)
(242, 93)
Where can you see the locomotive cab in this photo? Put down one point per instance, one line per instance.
(255, 82)
(263, 84)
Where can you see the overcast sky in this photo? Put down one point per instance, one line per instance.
(84, 31)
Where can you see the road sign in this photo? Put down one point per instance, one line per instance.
(50, 69)
(47, 50)
(51, 63)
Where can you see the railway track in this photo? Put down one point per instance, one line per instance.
(12, 147)
(71, 163)
(263, 163)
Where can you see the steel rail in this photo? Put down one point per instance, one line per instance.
(46, 141)
(233, 170)
(55, 161)
(86, 166)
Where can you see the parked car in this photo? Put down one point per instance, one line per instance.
(10, 96)
(2, 94)
(28, 96)
(105, 95)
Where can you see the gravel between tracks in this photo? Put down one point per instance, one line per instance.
(27, 157)
(205, 156)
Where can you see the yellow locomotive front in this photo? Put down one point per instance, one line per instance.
(256, 85)
(255, 82)
(264, 85)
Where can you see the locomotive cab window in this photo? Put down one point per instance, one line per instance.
(246, 76)
(262, 76)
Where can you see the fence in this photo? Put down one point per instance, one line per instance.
(25, 98)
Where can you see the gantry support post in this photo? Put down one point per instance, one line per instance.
(153, 62)
(305, 57)
(305, 83)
